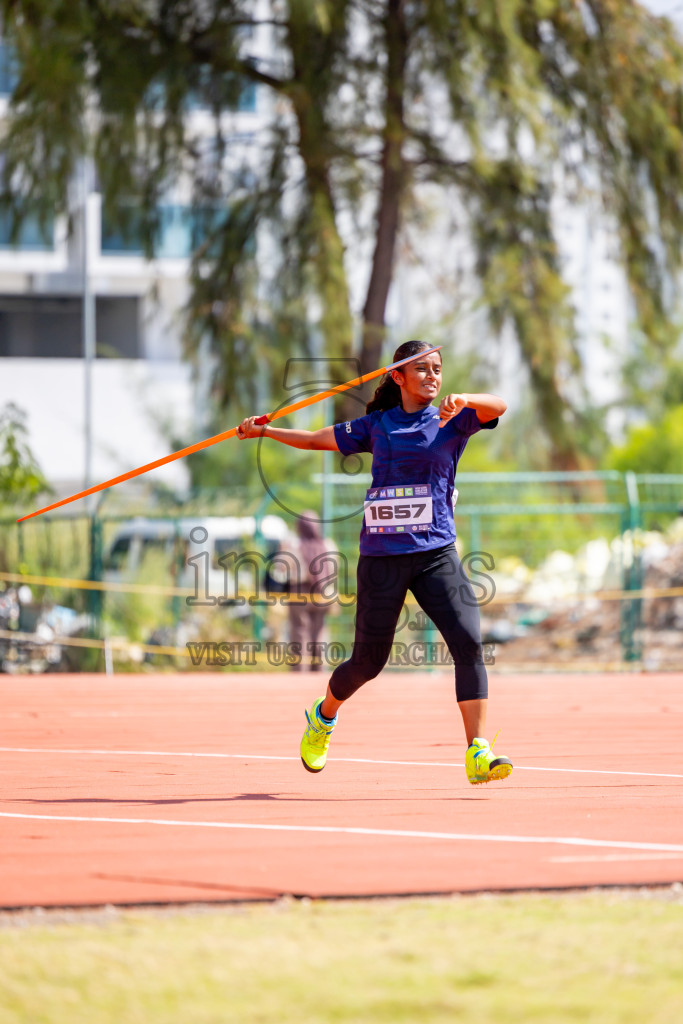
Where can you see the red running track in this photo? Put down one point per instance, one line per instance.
(157, 789)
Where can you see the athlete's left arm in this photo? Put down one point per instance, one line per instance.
(487, 407)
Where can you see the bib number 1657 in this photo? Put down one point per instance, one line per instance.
(413, 511)
(389, 512)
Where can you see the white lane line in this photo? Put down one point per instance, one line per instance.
(604, 858)
(336, 830)
(347, 760)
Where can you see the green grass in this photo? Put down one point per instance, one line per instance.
(601, 958)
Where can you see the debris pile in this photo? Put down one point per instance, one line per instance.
(572, 612)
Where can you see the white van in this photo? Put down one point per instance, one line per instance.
(192, 548)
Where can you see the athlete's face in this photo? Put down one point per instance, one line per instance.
(420, 381)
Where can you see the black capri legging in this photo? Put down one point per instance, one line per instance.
(441, 588)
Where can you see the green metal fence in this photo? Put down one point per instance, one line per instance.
(511, 516)
(526, 516)
(494, 511)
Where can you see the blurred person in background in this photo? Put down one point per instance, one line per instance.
(307, 616)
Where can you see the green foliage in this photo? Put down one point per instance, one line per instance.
(20, 476)
(136, 615)
(492, 103)
(652, 447)
(652, 385)
(672, 385)
(521, 446)
(600, 957)
(259, 471)
(48, 546)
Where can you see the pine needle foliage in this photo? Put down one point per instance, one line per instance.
(501, 104)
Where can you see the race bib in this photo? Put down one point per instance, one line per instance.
(405, 509)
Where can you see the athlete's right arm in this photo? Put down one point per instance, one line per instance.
(311, 440)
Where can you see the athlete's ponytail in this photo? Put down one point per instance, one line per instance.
(388, 394)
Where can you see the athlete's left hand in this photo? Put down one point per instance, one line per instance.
(450, 406)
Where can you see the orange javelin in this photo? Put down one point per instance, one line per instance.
(294, 407)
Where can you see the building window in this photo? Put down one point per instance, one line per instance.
(51, 327)
(181, 230)
(32, 235)
(172, 241)
(9, 69)
(226, 91)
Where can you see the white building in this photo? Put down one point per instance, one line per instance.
(139, 383)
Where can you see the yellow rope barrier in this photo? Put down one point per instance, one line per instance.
(94, 642)
(104, 585)
(645, 593)
(261, 657)
(256, 656)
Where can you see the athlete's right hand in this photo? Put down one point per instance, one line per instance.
(248, 428)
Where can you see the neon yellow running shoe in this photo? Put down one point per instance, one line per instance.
(316, 739)
(482, 765)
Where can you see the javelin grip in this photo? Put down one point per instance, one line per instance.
(260, 420)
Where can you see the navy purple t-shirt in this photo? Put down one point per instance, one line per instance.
(409, 506)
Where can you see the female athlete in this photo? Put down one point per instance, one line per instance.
(407, 541)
